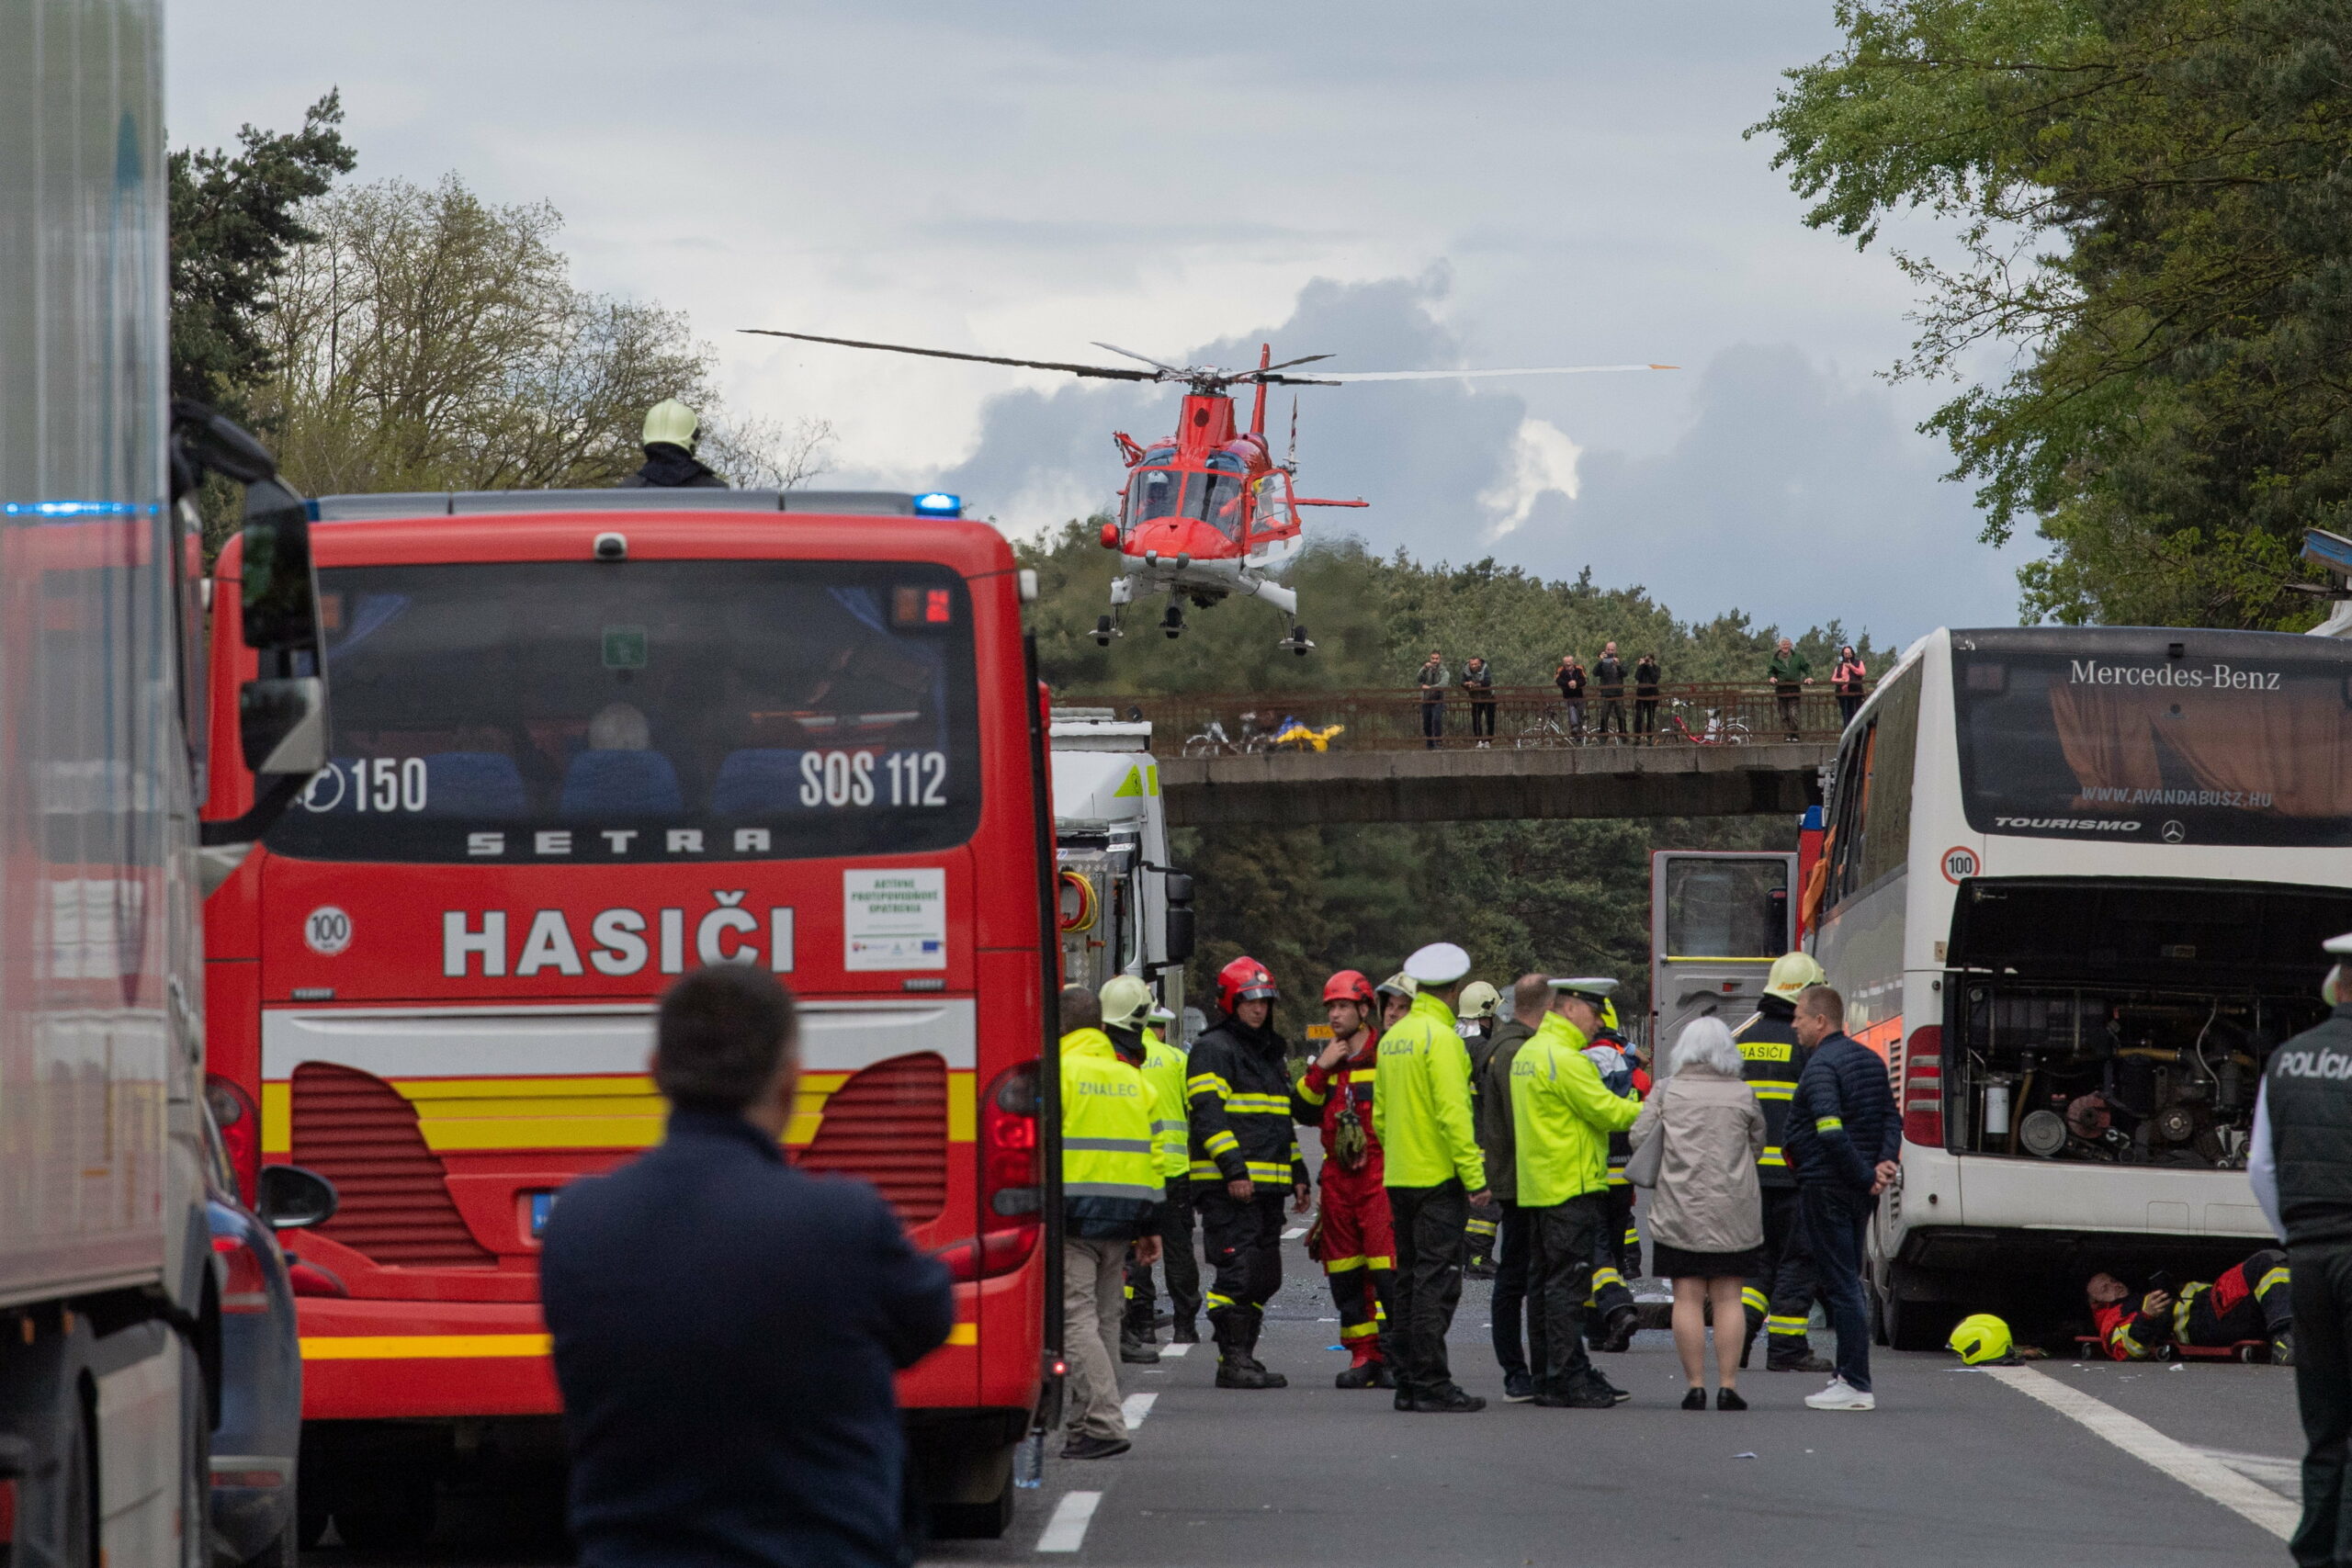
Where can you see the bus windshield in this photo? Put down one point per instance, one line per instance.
(552, 712)
(2116, 742)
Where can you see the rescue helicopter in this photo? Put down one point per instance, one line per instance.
(1207, 514)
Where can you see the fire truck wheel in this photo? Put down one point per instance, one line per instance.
(973, 1521)
(309, 1517)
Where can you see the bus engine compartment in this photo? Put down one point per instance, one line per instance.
(2128, 1076)
(2125, 1022)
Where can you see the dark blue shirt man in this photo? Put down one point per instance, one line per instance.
(1843, 1139)
(726, 1328)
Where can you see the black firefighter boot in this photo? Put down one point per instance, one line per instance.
(1235, 1366)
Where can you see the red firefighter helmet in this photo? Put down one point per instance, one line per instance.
(1348, 986)
(1244, 979)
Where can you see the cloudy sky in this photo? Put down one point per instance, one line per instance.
(1401, 185)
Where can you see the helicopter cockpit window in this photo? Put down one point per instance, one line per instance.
(1155, 492)
(1219, 500)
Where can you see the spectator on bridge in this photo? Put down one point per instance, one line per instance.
(1571, 679)
(1432, 679)
(1850, 680)
(1479, 680)
(1790, 673)
(1609, 674)
(1706, 1216)
(727, 1327)
(1645, 679)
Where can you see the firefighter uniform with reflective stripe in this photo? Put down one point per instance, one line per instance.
(2253, 1301)
(1617, 1255)
(1430, 1164)
(1111, 1190)
(1238, 1086)
(1356, 1241)
(1780, 1298)
(1163, 1068)
(1561, 1116)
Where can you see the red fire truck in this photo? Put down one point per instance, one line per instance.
(583, 741)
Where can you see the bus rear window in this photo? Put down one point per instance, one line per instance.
(2146, 747)
(555, 712)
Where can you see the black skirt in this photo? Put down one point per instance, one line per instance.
(1674, 1263)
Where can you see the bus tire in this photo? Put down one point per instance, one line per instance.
(1911, 1325)
(979, 1507)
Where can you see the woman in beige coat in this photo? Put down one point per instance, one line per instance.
(1706, 1214)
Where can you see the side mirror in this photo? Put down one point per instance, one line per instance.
(293, 1199)
(1182, 929)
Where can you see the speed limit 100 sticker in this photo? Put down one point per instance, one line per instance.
(327, 931)
(1960, 861)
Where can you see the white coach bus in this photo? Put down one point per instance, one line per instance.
(2074, 891)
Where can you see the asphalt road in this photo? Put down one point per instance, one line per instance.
(1956, 1466)
(2061, 1463)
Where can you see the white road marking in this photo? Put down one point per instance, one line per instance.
(1066, 1531)
(1294, 1233)
(2279, 1474)
(2193, 1468)
(1173, 1352)
(1136, 1407)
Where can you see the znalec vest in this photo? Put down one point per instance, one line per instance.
(2306, 1091)
(1111, 1181)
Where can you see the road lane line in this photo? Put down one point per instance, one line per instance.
(1294, 1233)
(1066, 1531)
(1136, 1407)
(2192, 1468)
(1173, 1352)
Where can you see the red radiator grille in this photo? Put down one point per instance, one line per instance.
(356, 1131)
(889, 1124)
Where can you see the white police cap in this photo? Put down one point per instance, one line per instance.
(1590, 986)
(1438, 964)
(2341, 946)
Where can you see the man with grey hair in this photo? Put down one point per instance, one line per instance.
(1529, 997)
(727, 1327)
(1844, 1135)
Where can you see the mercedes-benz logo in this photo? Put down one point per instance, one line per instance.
(2174, 832)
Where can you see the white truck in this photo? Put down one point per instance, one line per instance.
(1124, 909)
(108, 1296)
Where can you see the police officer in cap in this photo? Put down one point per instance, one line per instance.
(1420, 1111)
(2301, 1163)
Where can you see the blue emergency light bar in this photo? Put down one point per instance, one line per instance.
(939, 503)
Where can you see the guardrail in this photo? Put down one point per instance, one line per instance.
(1526, 717)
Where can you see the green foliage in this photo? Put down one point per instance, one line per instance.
(1305, 901)
(2153, 208)
(235, 221)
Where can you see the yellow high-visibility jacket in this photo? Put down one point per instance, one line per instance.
(1562, 1115)
(1163, 1069)
(1420, 1102)
(1112, 1188)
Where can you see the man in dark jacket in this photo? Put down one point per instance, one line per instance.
(1780, 1298)
(1609, 678)
(726, 1329)
(1432, 684)
(1491, 1063)
(1245, 1156)
(1844, 1136)
(673, 431)
(2301, 1165)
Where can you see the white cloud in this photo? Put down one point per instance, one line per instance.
(1543, 462)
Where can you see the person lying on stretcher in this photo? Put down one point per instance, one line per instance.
(2249, 1301)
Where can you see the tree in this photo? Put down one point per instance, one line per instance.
(235, 221)
(1519, 896)
(2151, 202)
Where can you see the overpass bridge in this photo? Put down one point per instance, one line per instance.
(1302, 758)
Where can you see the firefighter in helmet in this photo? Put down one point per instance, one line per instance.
(1127, 1004)
(1780, 1298)
(673, 431)
(1353, 1238)
(1245, 1160)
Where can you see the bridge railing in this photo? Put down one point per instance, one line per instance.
(1388, 719)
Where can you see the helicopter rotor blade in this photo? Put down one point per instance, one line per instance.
(1291, 462)
(1147, 358)
(1106, 372)
(1286, 363)
(1340, 377)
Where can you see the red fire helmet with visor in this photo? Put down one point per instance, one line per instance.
(1243, 980)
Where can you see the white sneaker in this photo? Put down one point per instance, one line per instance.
(1841, 1395)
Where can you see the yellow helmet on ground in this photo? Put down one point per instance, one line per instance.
(673, 422)
(1982, 1338)
(1126, 1002)
(1792, 973)
(1478, 1000)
